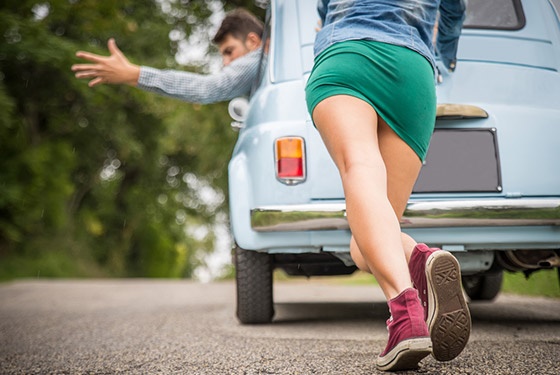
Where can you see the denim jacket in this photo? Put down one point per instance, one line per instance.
(407, 23)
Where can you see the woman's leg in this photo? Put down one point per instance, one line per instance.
(355, 139)
(378, 171)
(408, 244)
(436, 274)
(403, 166)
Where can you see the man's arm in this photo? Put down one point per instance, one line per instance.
(232, 81)
(452, 14)
(107, 69)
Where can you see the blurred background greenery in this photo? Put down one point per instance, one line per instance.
(113, 181)
(110, 181)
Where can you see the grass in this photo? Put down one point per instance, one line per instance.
(56, 256)
(542, 283)
(48, 264)
(357, 278)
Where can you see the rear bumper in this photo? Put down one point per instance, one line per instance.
(421, 214)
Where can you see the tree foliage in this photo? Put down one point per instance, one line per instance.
(111, 175)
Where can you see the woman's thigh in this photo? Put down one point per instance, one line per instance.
(402, 165)
(355, 134)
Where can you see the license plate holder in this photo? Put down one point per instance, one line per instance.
(461, 160)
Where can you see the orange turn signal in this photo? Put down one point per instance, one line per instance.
(290, 160)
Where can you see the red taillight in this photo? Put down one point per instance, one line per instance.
(290, 160)
(290, 167)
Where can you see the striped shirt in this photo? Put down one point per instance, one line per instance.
(235, 79)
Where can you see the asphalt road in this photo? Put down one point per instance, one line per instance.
(182, 327)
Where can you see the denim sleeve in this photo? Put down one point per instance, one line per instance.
(322, 9)
(452, 14)
(232, 81)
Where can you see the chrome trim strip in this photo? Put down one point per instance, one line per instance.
(422, 214)
(299, 217)
(448, 111)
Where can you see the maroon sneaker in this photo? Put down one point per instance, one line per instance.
(409, 340)
(417, 268)
(437, 277)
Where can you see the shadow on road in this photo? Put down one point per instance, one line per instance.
(329, 311)
(516, 310)
(508, 310)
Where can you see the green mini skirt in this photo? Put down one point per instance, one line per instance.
(396, 81)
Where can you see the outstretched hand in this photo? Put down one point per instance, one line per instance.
(107, 69)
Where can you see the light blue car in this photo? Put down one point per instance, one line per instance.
(490, 188)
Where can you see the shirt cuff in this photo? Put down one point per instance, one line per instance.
(147, 76)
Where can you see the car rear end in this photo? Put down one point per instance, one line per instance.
(489, 190)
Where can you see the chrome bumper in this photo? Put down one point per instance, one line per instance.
(425, 214)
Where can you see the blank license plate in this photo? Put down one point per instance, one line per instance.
(461, 160)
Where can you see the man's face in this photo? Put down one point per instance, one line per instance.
(232, 48)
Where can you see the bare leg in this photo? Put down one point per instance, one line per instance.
(400, 181)
(408, 244)
(370, 158)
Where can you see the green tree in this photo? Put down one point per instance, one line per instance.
(110, 177)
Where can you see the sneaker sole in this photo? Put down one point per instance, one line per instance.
(449, 320)
(405, 355)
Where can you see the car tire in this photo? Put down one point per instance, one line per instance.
(253, 276)
(483, 287)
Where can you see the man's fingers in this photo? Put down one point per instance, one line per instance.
(82, 67)
(113, 49)
(95, 82)
(105, 69)
(86, 74)
(90, 56)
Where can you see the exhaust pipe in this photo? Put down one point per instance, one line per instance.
(553, 261)
(525, 260)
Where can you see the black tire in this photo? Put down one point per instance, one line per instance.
(253, 275)
(483, 287)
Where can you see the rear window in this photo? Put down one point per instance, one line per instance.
(494, 14)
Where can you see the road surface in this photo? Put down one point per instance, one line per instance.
(183, 327)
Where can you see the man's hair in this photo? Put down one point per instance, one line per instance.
(238, 23)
